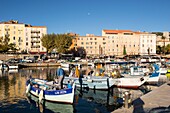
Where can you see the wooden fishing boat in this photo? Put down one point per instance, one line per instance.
(48, 90)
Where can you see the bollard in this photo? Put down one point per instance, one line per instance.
(127, 99)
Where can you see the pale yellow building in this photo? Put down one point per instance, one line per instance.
(93, 45)
(115, 42)
(25, 37)
(135, 43)
(161, 41)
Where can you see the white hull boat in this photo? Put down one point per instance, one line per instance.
(130, 82)
(65, 95)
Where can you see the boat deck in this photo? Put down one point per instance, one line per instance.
(155, 99)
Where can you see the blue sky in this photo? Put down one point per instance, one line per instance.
(89, 16)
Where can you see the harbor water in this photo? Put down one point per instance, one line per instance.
(13, 98)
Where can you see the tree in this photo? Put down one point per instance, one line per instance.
(148, 50)
(124, 50)
(62, 42)
(167, 49)
(158, 49)
(4, 43)
(81, 52)
(48, 42)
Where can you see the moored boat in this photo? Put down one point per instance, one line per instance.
(49, 91)
(131, 82)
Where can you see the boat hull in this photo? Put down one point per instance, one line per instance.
(60, 96)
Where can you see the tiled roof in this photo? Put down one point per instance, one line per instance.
(117, 31)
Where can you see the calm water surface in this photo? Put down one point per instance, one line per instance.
(14, 100)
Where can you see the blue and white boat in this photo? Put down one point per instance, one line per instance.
(49, 91)
(155, 75)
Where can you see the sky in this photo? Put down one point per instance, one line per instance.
(89, 16)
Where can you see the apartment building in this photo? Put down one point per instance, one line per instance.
(93, 45)
(135, 43)
(24, 36)
(33, 36)
(163, 39)
(115, 42)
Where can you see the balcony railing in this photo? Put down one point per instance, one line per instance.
(35, 41)
(35, 31)
(35, 36)
(35, 46)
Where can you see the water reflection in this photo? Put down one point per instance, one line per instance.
(49, 107)
(13, 97)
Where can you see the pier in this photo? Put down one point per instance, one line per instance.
(24, 65)
(157, 99)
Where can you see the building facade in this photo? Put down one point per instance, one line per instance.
(163, 41)
(25, 37)
(118, 42)
(93, 45)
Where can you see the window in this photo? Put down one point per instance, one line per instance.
(14, 27)
(128, 33)
(142, 45)
(19, 39)
(26, 43)
(90, 38)
(82, 43)
(103, 38)
(104, 42)
(117, 45)
(95, 43)
(14, 32)
(87, 43)
(13, 38)
(95, 39)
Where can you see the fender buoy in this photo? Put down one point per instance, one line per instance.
(28, 88)
(41, 94)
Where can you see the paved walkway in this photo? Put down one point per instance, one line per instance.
(156, 99)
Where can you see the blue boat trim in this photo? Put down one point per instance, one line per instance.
(55, 92)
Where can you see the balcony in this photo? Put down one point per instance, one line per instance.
(33, 36)
(35, 31)
(35, 46)
(7, 35)
(35, 41)
(7, 29)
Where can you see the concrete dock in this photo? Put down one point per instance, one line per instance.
(158, 99)
(24, 65)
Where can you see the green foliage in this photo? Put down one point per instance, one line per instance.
(158, 33)
(158, 49)
(48, 42)
(124, 50)
(62, 42)
(4, 47)
(167, 49)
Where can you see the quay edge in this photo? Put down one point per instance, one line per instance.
(156, 99)
(24, 65)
